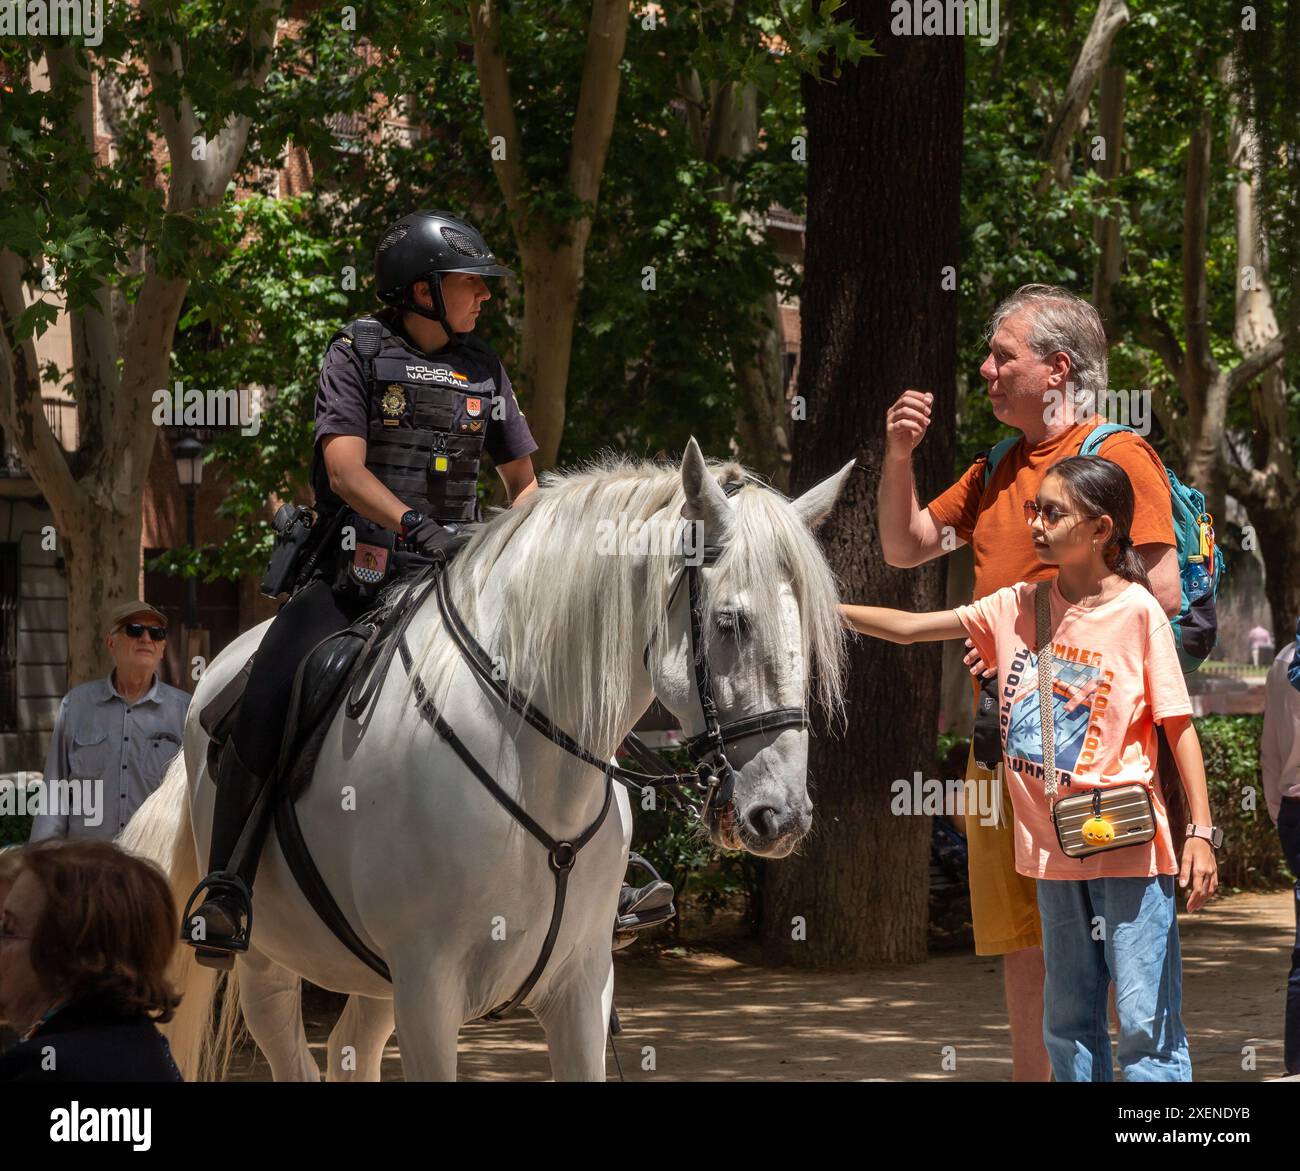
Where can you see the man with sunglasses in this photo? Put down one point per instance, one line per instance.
(1047, 349)
(113, 737)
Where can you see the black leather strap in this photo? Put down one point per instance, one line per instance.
(562, 854)
(374, 668)
(482, 666)
(294, 847)
(782, 717)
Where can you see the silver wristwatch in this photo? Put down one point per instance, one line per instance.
(1211, 833)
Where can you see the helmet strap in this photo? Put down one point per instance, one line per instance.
(439, 311)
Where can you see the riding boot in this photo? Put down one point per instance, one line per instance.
(220, 926)
(640, 907)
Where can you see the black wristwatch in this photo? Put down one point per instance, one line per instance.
(410, 518)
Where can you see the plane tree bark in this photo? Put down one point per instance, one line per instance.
(883, 223)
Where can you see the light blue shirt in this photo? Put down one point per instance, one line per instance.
(106, 756)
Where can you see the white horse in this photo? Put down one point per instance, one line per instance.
(429, 870)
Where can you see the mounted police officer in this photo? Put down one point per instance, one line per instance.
(408, 401)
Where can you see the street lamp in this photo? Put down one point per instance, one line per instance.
(187, 451)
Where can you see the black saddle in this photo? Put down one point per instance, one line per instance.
(347, 670)
(346, 667)
(317, 688)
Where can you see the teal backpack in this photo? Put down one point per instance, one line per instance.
(1200, 561)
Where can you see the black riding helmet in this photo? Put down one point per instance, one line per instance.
(421, 247)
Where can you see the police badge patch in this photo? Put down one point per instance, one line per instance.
(369, 564)
(393, 404)
(474, 406)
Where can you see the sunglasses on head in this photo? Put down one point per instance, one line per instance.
(136, 629)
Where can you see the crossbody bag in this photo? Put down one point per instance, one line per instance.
(1102, 818)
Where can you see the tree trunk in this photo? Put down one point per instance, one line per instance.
(724, 125)
(1110, 125)
(553, 250)
(1110, 17)
(1267, 487)
(1278, 537)
(121, 351)
(762, 417)
(102, 560)
(876, 320)
(553, 282)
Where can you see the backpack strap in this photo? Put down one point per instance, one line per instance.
(1096, 437)
(1099, 434)
(995, 455)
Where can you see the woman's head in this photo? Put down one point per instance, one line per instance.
(1084, 510)
(81, 919)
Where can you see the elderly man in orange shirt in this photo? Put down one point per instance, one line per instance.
(1047, 354)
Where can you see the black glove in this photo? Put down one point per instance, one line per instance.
(430, 538)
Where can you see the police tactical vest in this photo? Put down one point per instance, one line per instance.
(428, 416)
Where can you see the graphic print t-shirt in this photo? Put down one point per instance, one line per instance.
(1114, 677)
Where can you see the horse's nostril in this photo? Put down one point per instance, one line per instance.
(763, 821)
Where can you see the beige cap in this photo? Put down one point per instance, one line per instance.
(120, 614)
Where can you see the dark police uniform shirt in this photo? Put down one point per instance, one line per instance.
(343, 407)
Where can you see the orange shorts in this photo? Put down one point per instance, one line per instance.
(1003, 903)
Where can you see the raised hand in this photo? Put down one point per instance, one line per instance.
(906, 422)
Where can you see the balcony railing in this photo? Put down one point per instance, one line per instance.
(61, 415)
(348, 129)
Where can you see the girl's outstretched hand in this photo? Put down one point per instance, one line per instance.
(1200, 872)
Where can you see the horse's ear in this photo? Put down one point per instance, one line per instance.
(815, 505)
(705, 499)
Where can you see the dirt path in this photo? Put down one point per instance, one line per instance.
(714, 1016)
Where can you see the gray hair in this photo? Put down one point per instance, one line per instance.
(1060, 321)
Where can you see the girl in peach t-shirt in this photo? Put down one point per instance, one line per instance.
(1110, 916)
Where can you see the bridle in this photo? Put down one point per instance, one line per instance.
(708, 750)
(714, 777)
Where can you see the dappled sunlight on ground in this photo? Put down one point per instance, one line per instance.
(708, 1015)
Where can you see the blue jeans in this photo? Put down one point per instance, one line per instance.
(1288, 829)
(1136, 946)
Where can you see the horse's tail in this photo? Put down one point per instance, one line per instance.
(202, 1031)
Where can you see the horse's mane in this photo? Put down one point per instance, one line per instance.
(543, 555)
